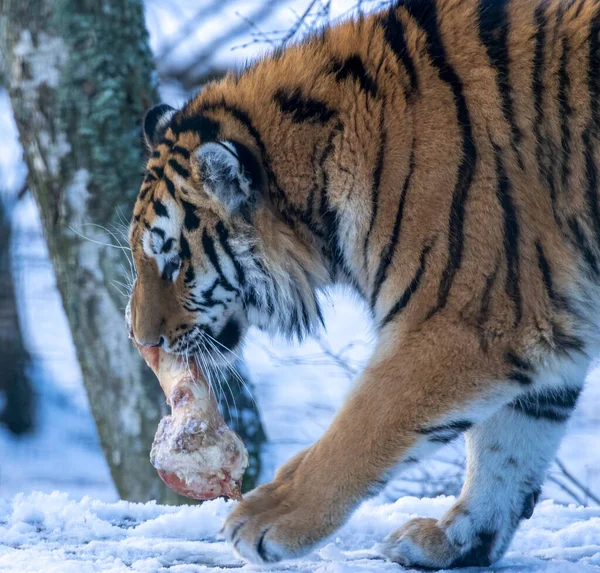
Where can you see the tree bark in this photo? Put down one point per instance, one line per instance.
(18, 411)
(80, 77)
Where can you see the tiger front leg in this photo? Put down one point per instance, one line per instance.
(412, 398)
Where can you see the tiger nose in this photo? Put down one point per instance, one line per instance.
(155, 343)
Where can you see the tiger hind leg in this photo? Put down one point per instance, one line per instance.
(507, 459)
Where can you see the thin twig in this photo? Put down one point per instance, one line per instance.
(568, 475)
(566, 489)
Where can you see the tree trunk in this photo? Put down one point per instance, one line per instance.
(18, 411)
(80, 77)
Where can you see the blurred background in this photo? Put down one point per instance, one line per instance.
(78, 409)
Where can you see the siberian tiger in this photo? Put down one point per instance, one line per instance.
(441, 158)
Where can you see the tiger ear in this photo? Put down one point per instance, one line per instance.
(156, 122)
(229, 170)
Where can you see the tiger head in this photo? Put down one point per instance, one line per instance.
(211, 252)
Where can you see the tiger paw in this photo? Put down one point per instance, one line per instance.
(286, 518)
(420, 543)
(455, 541)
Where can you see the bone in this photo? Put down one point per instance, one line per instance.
(195, 453)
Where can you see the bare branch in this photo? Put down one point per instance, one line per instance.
(188, 29)
(566, 489)
(569, 476)
(189, 74)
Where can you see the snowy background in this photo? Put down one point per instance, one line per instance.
(298, 389)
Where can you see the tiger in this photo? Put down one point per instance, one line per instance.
(439, 159)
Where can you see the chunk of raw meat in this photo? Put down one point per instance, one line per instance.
(194, 451)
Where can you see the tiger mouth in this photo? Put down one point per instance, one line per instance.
(201, 341)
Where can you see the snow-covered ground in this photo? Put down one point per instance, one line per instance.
(54, 534)
(298, 389)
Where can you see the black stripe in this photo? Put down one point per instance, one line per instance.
(443, 438)
(158, 231)
(191, 220)
(457, 426)
(190, 275)
(223, 234)
(546, 271)
(206, 128)
(166, 141)
(583, 245)
(159, 208)
(170, 186)
(591, 132)
(316, 171)
(393, 30)
(520, 378)
(302, 108)
(544, 161)
(591, 188)
(353, 67)
(153, 118)
(480, 553)
(445, 433)
(260, 547)
(556, 299)
(168, 245)
(563, 398)
(158, 171)
(144, 192)
(510, 234)
(425, 13)
(484, 308)
(181, 151)
(565, 114)
(566, 343)
(518, 362)
(208, 245)
(415, 283)
(552, 406)
(389, 250)
(494, 30)
(184, 247)
(155, 154)
(249, 164)
(537, 79)
(594, 70)
(179, 168)
(375, 189)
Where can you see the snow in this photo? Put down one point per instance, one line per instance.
(57, 534)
